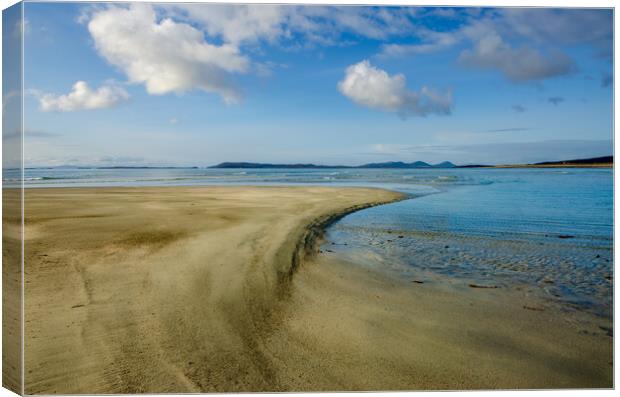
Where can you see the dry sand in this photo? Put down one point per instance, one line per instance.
(209, 289)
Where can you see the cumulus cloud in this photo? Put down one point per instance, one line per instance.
(164, 55)
(517, 64)
(82, 97)
(555, 100)
(374, 88)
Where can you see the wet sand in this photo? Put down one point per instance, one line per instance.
(11, 289)
(218, 289)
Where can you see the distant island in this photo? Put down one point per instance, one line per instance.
(391, 164)
(594, 162)
(139, 167)
(590, 161)
(110, 167)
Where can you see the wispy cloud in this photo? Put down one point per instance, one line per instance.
(607, 80)
(518, 108)
(491, 34)
(431, 42)
(28, 134)
(557, 26)
(93, 161)
(374, 88)
(555, 100)
(512, 129)
(9, 97)
(284, 24)
(21, 28)
(519, 64)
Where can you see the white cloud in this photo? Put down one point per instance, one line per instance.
(374, 88)
(82, 97)
(164, 55)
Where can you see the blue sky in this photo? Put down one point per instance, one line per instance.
(201, 84)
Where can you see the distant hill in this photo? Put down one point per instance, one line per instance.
(400, 164)
(397, 164)
(390, 164)
(593, 160)
(445, 164)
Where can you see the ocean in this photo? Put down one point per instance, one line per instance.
(547, 232)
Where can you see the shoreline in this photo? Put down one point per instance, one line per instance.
(192, 290)
(313, 232)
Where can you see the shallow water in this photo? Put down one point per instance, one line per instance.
(546, 231)
(398, 179)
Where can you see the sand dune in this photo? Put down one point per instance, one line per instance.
(194, 289)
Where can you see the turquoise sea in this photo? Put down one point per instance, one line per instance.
(544, 231)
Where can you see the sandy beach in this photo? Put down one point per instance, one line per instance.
(11, 290)
(221, 289)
